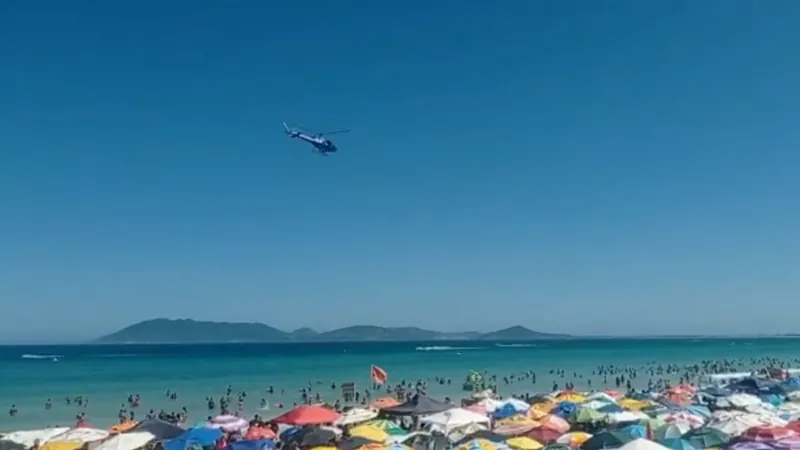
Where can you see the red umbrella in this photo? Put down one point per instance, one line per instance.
(544, 435)
(308, 415)
(258, 433)
(761, 433)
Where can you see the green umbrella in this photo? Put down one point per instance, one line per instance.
(706, 437)
(607, 439)
(588, 415)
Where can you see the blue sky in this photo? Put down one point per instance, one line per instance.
(563, 165)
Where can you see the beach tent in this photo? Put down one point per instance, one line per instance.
(453, 418)
(200, 436)
(29, 437)
(127, 441)
(419, 405)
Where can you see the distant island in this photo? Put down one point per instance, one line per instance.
(162, 331)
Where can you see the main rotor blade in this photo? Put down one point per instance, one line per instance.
(334, 132)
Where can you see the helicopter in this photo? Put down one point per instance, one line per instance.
(321, 145)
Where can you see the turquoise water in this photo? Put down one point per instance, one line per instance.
(107, 374)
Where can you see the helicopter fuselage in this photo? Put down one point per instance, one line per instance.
(321, 144)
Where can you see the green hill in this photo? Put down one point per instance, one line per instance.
(196, 331)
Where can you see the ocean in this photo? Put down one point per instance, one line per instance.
(107, 374)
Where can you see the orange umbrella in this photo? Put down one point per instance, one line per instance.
(308, 415)
(385, 402)
(122, 427)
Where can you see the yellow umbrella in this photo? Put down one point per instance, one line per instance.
(369, 432)
(631, 404)
(537, 414)
(324, 447)
(478, 444)
(574, 439)
(62, 445)
(524, 443)
(570, 397)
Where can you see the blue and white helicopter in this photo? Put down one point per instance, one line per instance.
(321, 145)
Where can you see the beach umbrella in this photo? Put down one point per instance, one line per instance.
(554, 423)
(49, 445)
(557, 447)
(309, 437)
(356, 415)
(544, 435)
(653, 423)
(308, 415)
(454, 418)
(633, 405)
(792, 443)
(369, 432)
(678, 444)
(610, 408)
(524, 443)
(568, 396)
(635, 431)
(123, 427)
(750, 445)
(353, 443)
(763, 433)
(537, 414)
(706, 437)
(733, 425)
(565, 409)
(626, 416)
(606, 439)
(483, 435)
(260, 433)
(384, 402)
(587, 415)
(682, 417)
(482, 444)
(602, 397)
(387, 426)
(670, 431)
(515, 426)
(250, 445)
(574, 439)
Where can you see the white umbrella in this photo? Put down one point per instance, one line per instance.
(453, 418)
(734, 425)
(356, 415)
(742, 400)
(29, 437)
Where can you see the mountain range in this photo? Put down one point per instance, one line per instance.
(195, 331)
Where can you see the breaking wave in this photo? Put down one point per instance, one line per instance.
(515, 345)
(445, 348)
(34, 356)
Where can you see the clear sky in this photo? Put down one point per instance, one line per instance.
(614, 167)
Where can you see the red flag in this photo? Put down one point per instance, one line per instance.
(378, 375)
